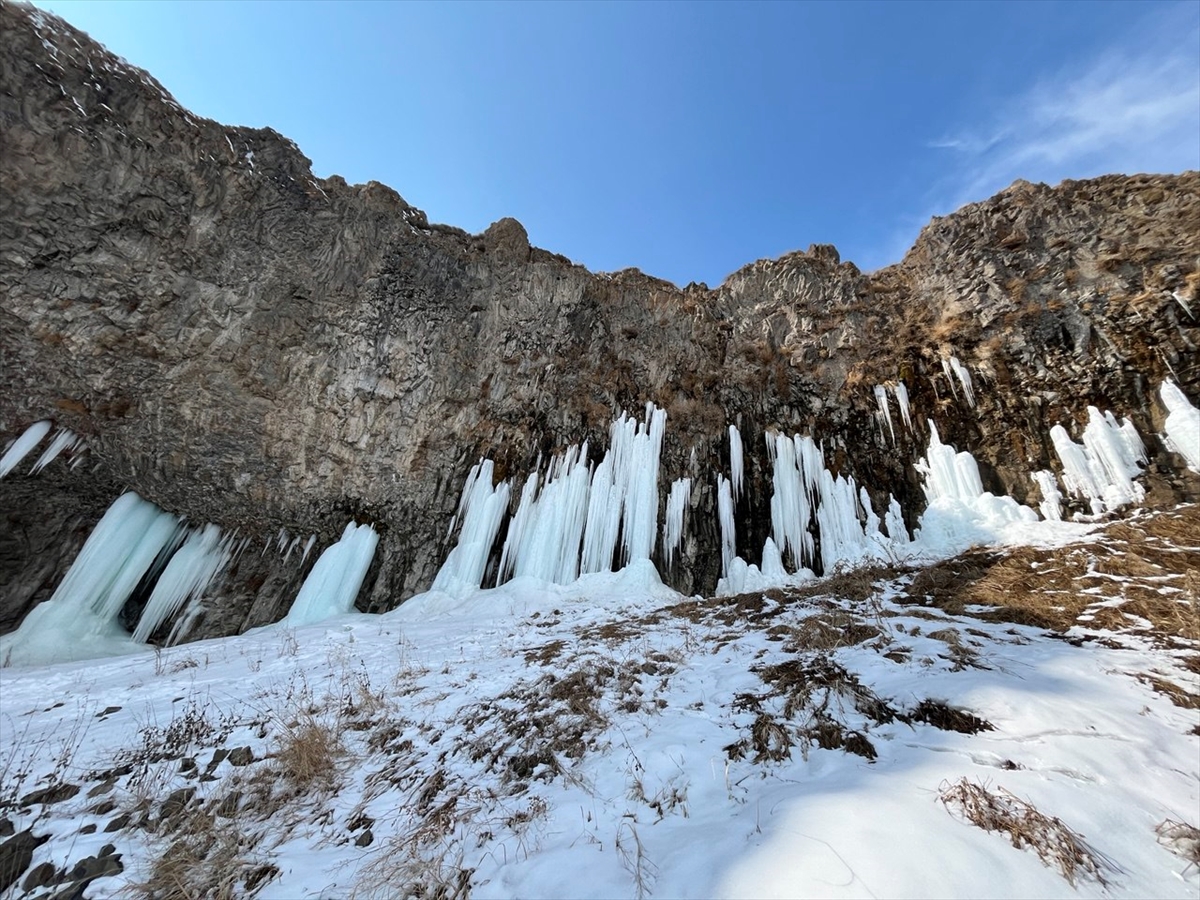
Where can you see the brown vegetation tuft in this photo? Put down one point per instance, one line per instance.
(1056, 844)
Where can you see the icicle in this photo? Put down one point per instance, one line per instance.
(334, 582)
(80, 619)
(544, 537)
(1103, 469)
(901, 393)
(893, 521)
(192, 568)
(1051, 505)
(677, 505)
(725, 517)
(295, 542)
(64, 440)
(1182, 301)
(20, 448)
(281, 541)
(308, 545)
(964, 378)
(624, 493)
(885, 412)
(735, 461)
(1182, 424)
(481, 509)
(960, 512)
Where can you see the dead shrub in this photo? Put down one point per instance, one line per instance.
(1055, 844)
(205, 859)
(308, 751)
(1181, 839)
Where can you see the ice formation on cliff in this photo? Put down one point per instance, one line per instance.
(64, 440)
(20, 448)
(481, 511)
(80, 619)
(1182, 425)
(1102, 469)
(885, 412)
(203, 555)
(335, 579)
(725, 518)
(676, 517)
(735, 461)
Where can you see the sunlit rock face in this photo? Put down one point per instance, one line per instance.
(249, 346)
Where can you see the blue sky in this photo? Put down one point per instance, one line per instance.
(688, 139)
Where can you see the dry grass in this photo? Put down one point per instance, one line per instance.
(1057, 845)
(1181, 839)
(1141, 575)
(205, 859)
(308, 751)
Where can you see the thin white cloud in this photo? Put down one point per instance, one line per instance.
(1135, 108)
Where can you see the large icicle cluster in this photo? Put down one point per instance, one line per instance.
(1182, 425)
(960, 512)
(481, 511)
(82, 613)
(676, 517)
(545, 534)
(1102, 470)
(191, 569)
(576, 520)
(335, 579)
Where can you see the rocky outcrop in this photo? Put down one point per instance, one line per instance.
(246, 344)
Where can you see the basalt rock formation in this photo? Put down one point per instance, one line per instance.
(249, 345)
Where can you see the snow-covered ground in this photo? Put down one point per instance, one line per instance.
(612, 738)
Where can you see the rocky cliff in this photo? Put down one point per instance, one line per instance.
(249, 345)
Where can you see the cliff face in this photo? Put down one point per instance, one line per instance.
(248, 345)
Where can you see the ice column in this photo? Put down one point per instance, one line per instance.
(335, 579)
(1051, 505)
(20, 448)
(960, 511)
(885, 412)
(1103, 469)
(901, 393)
(677, 505)
(192, 568)
(725, 516)
(1182, 425)
(480, 510)
(791, 497)
(735, 460)
(544, 536)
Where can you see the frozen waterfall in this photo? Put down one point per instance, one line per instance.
(1182, 425)
(335, 579)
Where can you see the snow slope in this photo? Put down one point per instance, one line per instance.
(612, 738)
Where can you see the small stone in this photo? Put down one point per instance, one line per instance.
(41, 875)
(176, 802)
(15, 856)
(103, 787)
(364, 839)
(117, 824)
(56, 793)
(89, 828)
(241, 756)
(103, 808)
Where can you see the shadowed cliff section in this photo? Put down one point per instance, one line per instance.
(248, 345)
